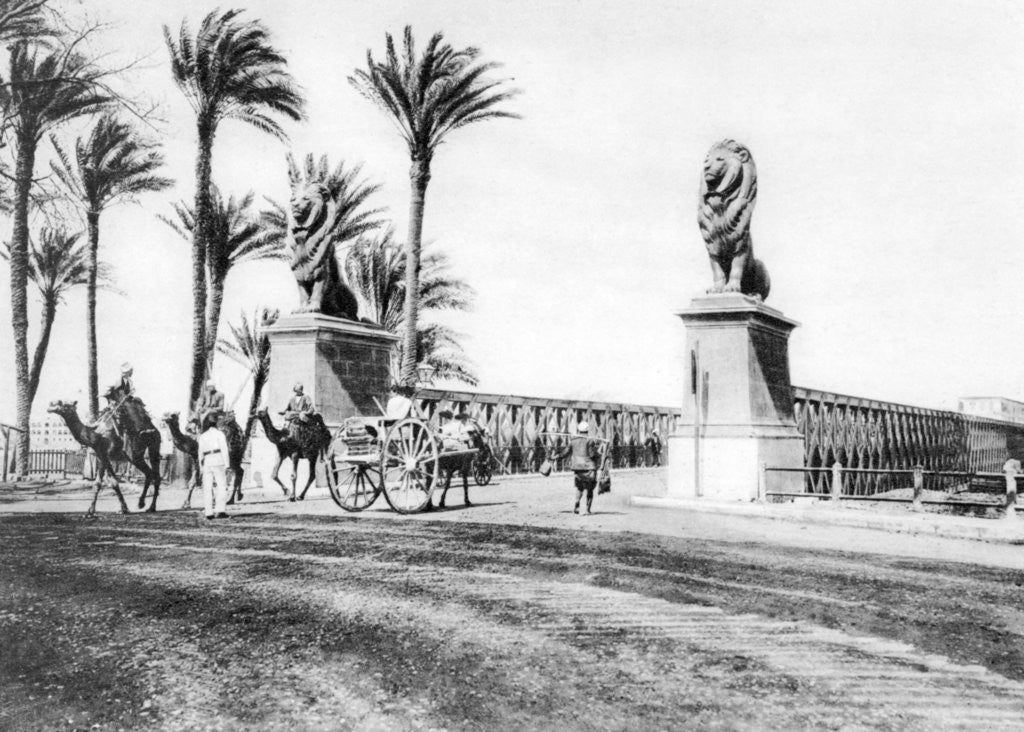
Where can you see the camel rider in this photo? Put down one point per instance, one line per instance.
(211, 403)
(300, 407)
(117, 395)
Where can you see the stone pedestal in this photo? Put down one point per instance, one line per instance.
(738, 402)
(342, 364)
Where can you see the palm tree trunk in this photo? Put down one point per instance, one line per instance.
(199, 239)
(254, 404)
(93, 222)
(19, 294)
(49, 313)
(215, 298)
(419, 176)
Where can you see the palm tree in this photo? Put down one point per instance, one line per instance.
(112, 165)
(428, 97)
(57, 263)
(250, 347)
(375, 270)
(44, 89)
(238, 235)
(229, 70)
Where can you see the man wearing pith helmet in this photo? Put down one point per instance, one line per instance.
(586, 456)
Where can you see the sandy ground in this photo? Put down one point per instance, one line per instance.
(514, 613)
(547, 502)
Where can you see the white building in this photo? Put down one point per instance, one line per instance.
(1007, 410)
(50, 433)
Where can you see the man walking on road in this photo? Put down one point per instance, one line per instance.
(586, 457)
(213, 461)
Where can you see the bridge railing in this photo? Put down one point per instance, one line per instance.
(885, 439)
(525, 430)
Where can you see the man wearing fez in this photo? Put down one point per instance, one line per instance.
(213, 462)
(300, 407)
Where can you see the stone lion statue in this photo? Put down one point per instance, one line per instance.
(728, 191)
(314, 263)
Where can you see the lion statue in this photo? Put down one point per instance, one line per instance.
(728, 190)
(314, 262)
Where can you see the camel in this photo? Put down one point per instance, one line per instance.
(139, 440)
(187, 444)
(103, 443)
(309, 444)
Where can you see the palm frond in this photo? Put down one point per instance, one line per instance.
(112, 164)
(429, 95)
(230, 70)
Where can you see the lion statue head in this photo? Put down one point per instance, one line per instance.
(728, 191)
(312, 211)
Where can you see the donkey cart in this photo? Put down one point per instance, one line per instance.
(401, 459)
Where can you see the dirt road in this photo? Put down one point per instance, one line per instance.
(283, 617)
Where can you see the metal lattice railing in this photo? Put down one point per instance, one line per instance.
(879, 438)
(524, 430)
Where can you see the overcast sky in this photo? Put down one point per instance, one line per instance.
(886, 137)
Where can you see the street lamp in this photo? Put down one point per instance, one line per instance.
(425, 374)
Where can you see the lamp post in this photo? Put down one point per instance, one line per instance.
(425, 374)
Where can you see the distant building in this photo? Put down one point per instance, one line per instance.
(1007, 410)
(50, 433)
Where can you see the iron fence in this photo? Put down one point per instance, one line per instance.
(50, 463)
(884, 440)
(80, 463)
(979, 489)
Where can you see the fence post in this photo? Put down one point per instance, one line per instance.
(762, 483)
(837, 480)
(918, 486)
(1010, 509)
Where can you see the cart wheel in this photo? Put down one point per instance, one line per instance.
(353, 486)
(482, 472)
(409, 466)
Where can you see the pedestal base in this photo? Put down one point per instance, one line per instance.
(343, 365)
(738, 415)
(729, 467)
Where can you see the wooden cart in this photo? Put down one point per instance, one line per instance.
(403, 461)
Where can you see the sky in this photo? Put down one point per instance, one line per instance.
(886, 137)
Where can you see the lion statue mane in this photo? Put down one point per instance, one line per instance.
(728, 191)
(314, 261)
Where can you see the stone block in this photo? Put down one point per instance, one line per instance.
(343, 366)
(738, 410)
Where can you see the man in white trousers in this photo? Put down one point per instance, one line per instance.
(213, 461)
